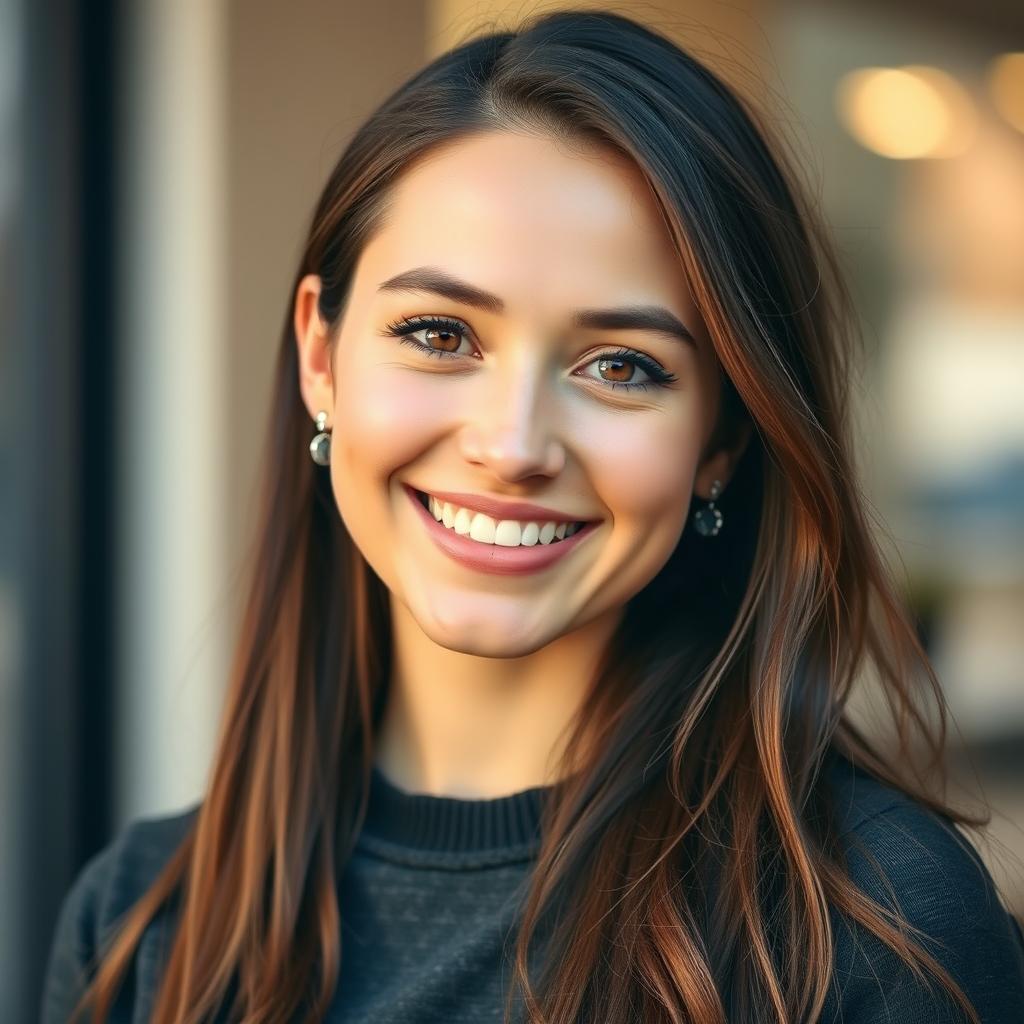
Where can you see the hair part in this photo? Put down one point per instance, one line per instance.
(698, 754)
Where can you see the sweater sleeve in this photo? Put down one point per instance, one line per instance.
(105, 888)
(938, 882)
(69, 966)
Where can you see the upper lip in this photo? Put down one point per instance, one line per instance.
(497, 509)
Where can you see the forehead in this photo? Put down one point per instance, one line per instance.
(532, 220)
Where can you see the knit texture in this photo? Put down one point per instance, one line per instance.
(431, 895)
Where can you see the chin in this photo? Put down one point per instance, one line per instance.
(488, 640)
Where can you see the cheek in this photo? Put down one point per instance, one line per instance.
(383, 421)
(643, 472)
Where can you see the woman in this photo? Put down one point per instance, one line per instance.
(539, 703)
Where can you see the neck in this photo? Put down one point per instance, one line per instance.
(472, 727)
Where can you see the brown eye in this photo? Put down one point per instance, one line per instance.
(621, 370)
(448, 334)
(449, 340)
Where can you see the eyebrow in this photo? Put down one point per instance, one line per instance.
(623, 318)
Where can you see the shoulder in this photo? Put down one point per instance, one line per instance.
(931, 865)
(104, 888)
(918, 864)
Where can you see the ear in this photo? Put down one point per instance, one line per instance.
(316, 381)
(721, 464)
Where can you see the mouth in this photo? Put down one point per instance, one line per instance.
(563, 529)
(505, 547)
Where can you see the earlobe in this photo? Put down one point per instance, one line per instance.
(714, 470)
(722, 464)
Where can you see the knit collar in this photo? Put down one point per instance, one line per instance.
(451, 832)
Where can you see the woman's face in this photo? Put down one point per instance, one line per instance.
(520, 406)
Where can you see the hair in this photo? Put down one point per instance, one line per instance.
(724, 691)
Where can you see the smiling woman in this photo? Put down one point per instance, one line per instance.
(539, 707)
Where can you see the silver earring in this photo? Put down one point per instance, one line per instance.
(320, 446)
(708, 520)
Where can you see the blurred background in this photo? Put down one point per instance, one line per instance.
(159, 162)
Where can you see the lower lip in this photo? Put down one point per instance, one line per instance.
(496, 558)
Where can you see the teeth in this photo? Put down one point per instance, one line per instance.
(463, 521)
(483, 528)
(509, 533)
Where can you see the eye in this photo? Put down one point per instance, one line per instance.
(625, 361)
(449, 335)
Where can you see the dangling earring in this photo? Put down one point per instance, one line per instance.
(708, 521)
(320, 446)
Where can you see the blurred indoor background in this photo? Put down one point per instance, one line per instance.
(158, 165)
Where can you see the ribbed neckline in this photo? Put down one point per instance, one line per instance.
(451, 832)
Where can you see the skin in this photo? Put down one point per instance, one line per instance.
(489, 669)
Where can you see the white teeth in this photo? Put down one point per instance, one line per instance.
(507, 533)
(463, 521)
(483, 528)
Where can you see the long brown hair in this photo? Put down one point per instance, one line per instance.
(725, 688)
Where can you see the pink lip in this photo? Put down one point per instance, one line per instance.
(496, 509)
(495, 558)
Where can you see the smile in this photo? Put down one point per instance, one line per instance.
(505, 547)
(484, 529)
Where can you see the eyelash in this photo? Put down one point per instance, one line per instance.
(403, 329)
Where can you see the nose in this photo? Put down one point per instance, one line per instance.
(514, 430)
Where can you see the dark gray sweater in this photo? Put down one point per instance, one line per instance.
(430, 896)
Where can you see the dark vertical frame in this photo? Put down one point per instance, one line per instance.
(60, 431)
